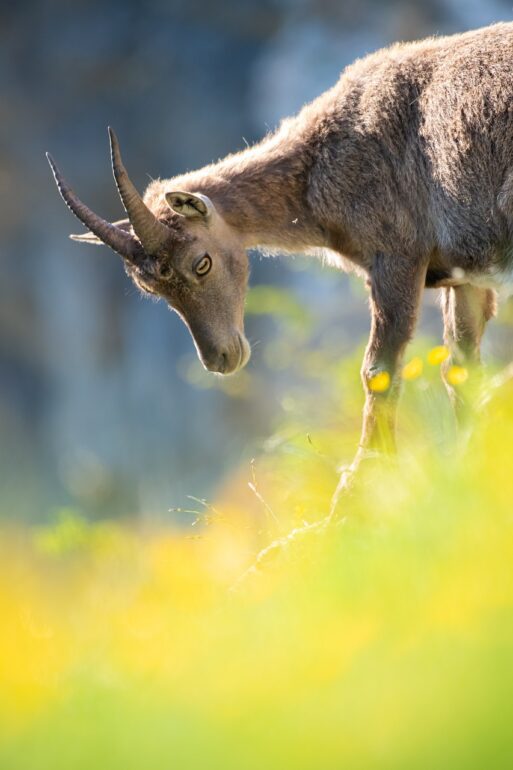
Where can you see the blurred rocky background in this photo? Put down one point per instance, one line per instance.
(102, 403)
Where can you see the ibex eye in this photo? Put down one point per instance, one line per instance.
(202, 265)
(164, 271)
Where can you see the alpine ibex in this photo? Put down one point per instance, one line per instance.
(402, 172)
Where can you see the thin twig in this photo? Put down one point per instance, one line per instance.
(254, 488)
(185, 510)
(205, 504)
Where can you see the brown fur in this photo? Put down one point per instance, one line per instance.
(403, 171)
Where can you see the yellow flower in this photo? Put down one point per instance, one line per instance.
(413, 369)
(457, 375)
(438, 355)
(380, 382)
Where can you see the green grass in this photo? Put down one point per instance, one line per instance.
(387, 642)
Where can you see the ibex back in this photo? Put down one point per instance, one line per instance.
(402, 172)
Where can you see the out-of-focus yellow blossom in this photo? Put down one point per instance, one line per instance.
(380, 382)
(457, 375)
(413, 369)
(438, 355)
(126, 646)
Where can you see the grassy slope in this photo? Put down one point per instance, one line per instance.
(386, 643)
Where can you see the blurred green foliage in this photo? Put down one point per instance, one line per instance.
(281, 304)
(385, 642)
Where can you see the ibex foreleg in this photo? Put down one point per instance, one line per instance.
(396, 290)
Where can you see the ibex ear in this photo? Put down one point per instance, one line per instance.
(123, 224)
(191, 205)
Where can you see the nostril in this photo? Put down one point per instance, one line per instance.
(216, 362)
(164, 271)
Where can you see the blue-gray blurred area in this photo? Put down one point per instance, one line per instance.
(98, 408)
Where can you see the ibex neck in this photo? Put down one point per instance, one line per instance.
(262, 193)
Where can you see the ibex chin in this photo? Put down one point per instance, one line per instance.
(402, 172)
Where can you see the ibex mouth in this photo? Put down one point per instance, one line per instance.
(228, 360)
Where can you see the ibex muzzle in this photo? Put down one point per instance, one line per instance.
(188, 255)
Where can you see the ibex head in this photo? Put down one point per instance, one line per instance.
(187, 254)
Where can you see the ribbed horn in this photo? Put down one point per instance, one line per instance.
(119, 241)
(152, 233)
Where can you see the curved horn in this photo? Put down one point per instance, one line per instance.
(119, 241)
(152, 233)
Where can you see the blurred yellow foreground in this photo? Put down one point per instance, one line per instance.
(386, 642)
